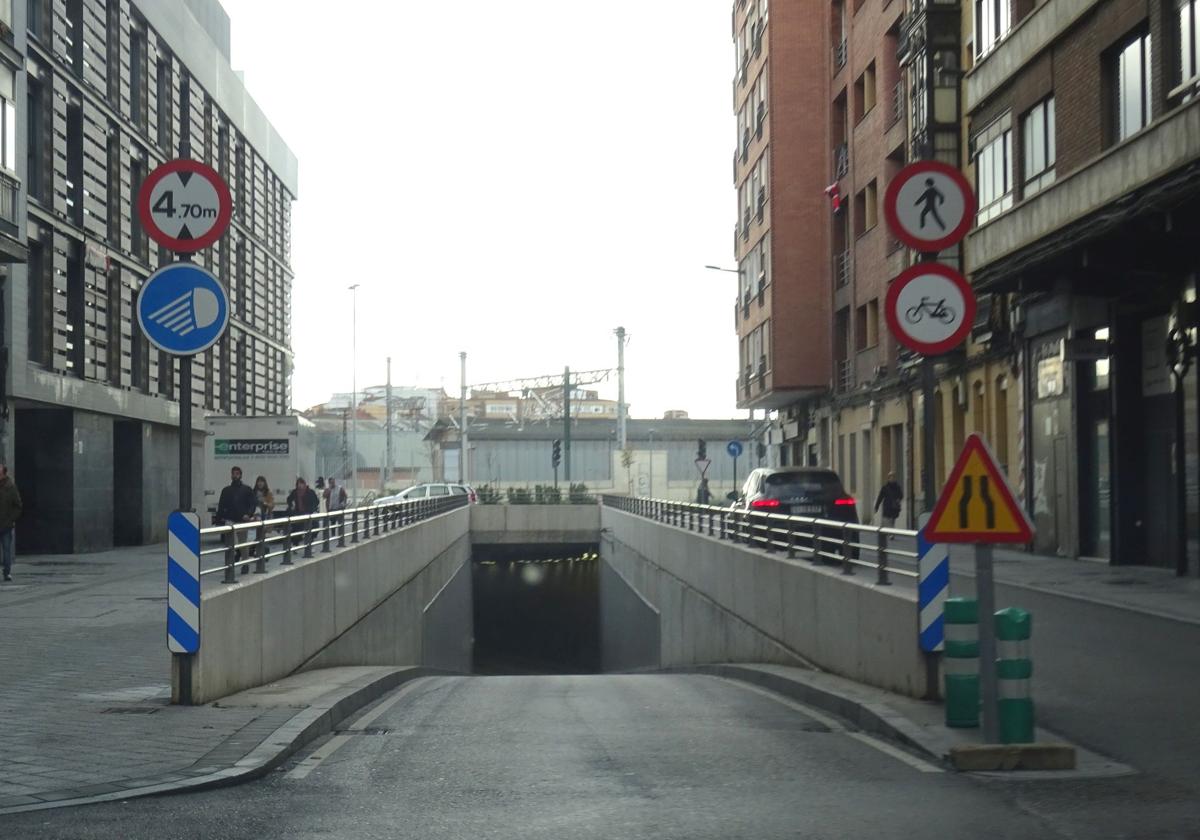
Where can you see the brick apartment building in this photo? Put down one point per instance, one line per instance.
(1077, 123)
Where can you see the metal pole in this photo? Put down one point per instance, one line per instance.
(354, 393)
(567, 426)
(462, 420)
(621, 433)
(185, 433)
(650, 489)
(986, 595)
(735, 484)
(387, 414)
(928, 461)
(1181, 529)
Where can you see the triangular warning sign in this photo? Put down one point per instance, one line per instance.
(977, 505)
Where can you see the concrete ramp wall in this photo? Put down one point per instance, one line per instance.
(721, 602)
(362, 605)
(535, 524)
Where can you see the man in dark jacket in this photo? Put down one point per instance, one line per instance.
(303, 500)
(890, 496)
(10, 511)
(237, 504)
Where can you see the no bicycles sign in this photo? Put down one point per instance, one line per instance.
(930, 308)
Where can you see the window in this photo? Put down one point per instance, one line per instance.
(1130, 79)
(872, 322)
(869, 88)
(34, 18)
(35, 147)
(992, 21)
(74, 34)
(872, 206)
(137, 78)
(164, 105)
(860, 328)
(8, 120)
(1188, 31)
(993, 170)
(1037, 143)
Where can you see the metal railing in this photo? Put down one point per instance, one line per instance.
(255, 543)
(897, 104)
(847, 544)
(841, 269)
(9, 188)
(841, 161)
(845, 374)
(839, 55)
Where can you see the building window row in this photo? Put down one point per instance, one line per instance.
(994, 170)
(1037, 141)
(1130, 71)
(755, 352)
(993, 19)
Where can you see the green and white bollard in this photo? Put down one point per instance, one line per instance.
(1014, 669)
(961, 662)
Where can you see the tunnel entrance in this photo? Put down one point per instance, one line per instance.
(536, 609)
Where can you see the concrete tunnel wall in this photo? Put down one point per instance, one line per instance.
(376, 602)
(721, 602)
(535, 524)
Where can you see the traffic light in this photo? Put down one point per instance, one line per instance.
(702, 451)
(556, 454)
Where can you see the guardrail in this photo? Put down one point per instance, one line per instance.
(817, 540)
(257, 542)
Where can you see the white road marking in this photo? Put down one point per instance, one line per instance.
(309, 764)
(835, 725)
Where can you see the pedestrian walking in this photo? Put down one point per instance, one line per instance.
(236, 505)
(890, 496)
(703, 493)
(302, 501)
(264, 501)
(10, 512)
(335, 501)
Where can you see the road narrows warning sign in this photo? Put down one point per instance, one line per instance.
(977, 505)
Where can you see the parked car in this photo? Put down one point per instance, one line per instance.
(800, 491)
(430, 491)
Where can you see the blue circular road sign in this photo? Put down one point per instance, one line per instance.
(182, 309)
(734, 448)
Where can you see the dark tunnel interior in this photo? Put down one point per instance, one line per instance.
(536, 609)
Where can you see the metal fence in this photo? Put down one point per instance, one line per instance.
(251, 545)
(886, 550)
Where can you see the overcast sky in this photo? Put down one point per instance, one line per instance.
(512, 179)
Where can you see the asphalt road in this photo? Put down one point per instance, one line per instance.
(663, 756)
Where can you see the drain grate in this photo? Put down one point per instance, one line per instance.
(129, 710)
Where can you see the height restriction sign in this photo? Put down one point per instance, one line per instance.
(184, 205)
(929, 206)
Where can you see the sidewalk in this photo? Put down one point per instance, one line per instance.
(84, 687)
(1153, 590)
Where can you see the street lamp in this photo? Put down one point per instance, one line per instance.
(354, 393)
(650, 490)
(719, 268)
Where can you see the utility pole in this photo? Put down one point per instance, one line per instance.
(354, 394)
(621, 439)
(387, 414)
(567, 426)
(462, 422)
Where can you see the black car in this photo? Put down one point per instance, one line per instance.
(800, 491)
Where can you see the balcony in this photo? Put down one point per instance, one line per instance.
(839, 56)
(841, 269)
(12, 249)
(841, 161)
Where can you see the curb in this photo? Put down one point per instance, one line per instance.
(868, 716)
(303, 728)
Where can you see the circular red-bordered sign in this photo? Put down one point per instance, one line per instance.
(930, 308)
(929, 206)
(184, 205)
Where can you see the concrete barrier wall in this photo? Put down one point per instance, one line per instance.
(448, 625)
(769, 608)
(534, 524)
(630, 638)
(329, 610)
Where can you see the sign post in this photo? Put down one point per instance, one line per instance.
(734, 448)
(929, 206)
(977, 506)
(183, 205)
